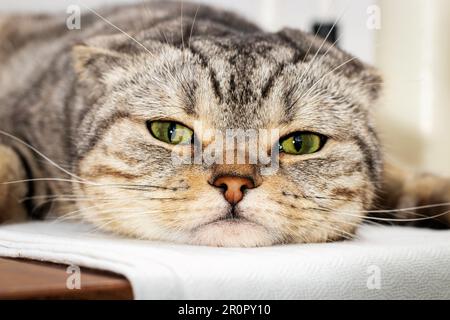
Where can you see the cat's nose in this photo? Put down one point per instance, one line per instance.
(234, 187)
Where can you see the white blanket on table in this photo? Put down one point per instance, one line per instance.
(384, 262)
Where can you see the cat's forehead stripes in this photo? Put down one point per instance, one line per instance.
(243, 68)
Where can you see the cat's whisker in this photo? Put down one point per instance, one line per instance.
(429, 206)
(376, 223)
(299, 196)
(149, 13)
(181, 25)
(362, 213)
(121, 210)
(192, 27)
(318, 97)
(46, 179)
(341, 15)
(329, 48)
(392, 219)
(312, 100)
(118, 29)
(111, 219)
(112, 202)
(123, 32)
(84, 197)
(365, 212)
(314, 39)
(313, 222)
(74, 199)
(327, 228)
(138, 187)
(339, 199)
(165, 36)
(323, 77)
(313, 60)
(132, 186)
(66, 166)
(40, 154)
(333, 45)
(75, 213)
(92, 184)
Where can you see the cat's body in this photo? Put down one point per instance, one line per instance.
(84, 99)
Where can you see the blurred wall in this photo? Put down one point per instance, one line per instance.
(413, 52)
(270, 14)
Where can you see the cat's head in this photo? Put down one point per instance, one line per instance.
(147, 104)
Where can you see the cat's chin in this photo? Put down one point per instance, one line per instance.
(232, 233)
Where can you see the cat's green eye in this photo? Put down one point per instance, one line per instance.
(300, 143)
(170, 132)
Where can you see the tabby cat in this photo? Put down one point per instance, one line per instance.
(90, 120)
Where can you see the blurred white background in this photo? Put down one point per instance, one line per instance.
(408, 40)
(413, 52)
(269, 14)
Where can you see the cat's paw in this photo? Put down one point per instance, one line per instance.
(432, 194)
(11, 191)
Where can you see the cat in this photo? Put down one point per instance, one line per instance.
(90, 120)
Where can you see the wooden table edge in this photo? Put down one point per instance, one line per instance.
(28, 279)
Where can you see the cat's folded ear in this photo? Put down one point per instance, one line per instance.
(368, 78)
(92, 62)
(94, 59)
(372, 82)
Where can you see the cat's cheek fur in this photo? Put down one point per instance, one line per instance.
(11, 195)
(189, 221)
(296, 220)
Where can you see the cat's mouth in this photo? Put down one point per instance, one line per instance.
(229, 221)
(232, 218)
(231, 231)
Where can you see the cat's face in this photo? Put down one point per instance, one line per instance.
(234, 82)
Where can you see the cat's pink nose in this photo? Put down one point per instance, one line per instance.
(234, 187)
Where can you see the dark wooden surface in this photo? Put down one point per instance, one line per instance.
(24, 279)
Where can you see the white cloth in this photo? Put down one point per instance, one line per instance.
(384, 262)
